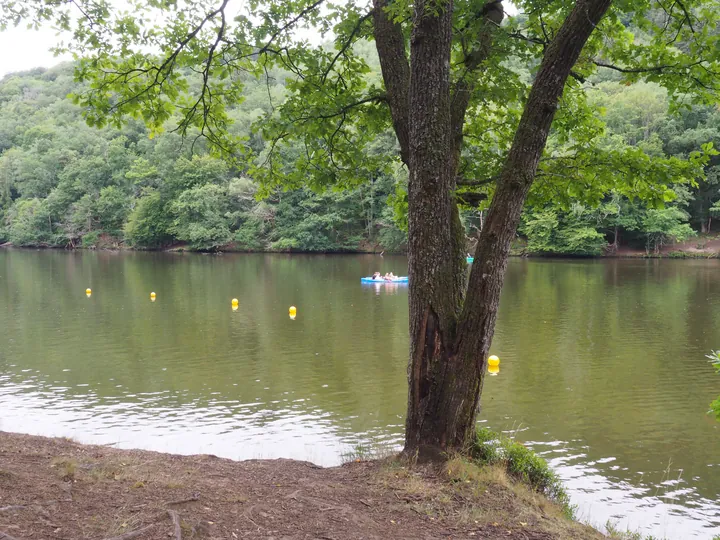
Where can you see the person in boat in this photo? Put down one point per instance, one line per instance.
(377, 275)
(390, 276)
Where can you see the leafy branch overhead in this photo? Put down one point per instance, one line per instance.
(181, 66)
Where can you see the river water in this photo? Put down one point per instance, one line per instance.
(603, 368)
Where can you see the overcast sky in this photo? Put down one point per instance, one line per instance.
(24, 49)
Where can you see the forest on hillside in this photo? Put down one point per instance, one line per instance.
(66, 184)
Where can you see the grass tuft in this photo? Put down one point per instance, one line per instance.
(369, 452)
(612, 531)
(65, 468)
(522, 464)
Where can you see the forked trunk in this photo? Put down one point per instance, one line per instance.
(450, 336)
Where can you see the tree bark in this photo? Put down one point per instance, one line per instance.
(616, 240)
(435, 271)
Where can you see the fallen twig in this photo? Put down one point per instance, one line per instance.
(293, 495)
(176, 523)
(69, 491)
(13, 507)
(127, 535)
(247, 515)
(183, 501)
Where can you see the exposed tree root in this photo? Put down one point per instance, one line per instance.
(128, 535)
(176, 523)
(14, 507)
(183, 501)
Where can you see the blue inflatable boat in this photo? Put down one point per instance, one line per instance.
(402, 279)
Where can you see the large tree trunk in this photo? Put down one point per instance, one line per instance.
(449, 335)
(435, 265)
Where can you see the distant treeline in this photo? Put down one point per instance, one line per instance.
(64, 184)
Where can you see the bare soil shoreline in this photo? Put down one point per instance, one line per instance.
(58, 489)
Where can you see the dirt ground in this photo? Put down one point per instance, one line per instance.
(60, 490)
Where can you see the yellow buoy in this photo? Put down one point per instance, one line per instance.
(152, 296)
(235, 302)
(494, 361)
(88, 292)
(292, 311)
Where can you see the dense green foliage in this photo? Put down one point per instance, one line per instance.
(638, 116)
(63, 183)
(622, 164)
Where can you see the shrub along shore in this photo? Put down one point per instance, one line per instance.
(686, 250)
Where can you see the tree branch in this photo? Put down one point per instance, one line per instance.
(688, 19)
(346, 45)
(529, 39)
(492, 15)
(344, 109)
(477, 322)
(475, 182)
(390, 44)
(470, 198)
(187, 119)
(646, 69)
(289, 25)
(169, 62)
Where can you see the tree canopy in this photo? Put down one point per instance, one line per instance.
(184, 66)
(46, 146)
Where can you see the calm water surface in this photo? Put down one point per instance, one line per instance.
(603, 369)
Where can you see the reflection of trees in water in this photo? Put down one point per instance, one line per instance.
(610, 355)
(190, 342)
(607, 355)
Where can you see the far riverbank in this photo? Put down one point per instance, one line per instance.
(673, 251)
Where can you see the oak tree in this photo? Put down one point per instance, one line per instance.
(470, 129)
